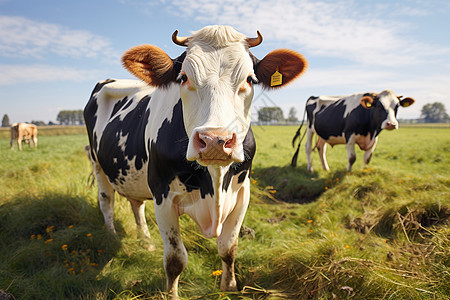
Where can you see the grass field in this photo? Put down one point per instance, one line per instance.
(377, 233)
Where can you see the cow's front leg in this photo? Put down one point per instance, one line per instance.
(227, 242)
(368, 153)
(351, 153)
(175, 255)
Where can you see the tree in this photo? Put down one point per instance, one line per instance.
(38, 123)
(70, 117)
(292, 116)
(5, 121)
(434, 113)
(270, 114)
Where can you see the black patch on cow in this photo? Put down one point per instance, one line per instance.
(168, 160)
(132, 125)
(245, 166)
(178, 63)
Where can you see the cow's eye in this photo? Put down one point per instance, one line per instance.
(251, 80)
(183, 78)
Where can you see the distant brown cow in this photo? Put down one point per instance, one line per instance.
(23, 132)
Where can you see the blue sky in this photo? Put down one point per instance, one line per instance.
(52, 52)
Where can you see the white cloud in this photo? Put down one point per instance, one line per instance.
(22, 37)
(13, 74)
(340, 29)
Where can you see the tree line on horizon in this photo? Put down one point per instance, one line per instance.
(430, 113)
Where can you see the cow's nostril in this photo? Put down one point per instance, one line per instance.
(199, 143)
(230, 143)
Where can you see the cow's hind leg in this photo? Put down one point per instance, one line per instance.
(19, 143)
(175, 255)
(308, 149)
(138, 208)
(322, 147)
(227, 242)
(105, 196)
(35, 140)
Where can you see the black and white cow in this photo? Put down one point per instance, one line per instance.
(354, 119)
(182, 137)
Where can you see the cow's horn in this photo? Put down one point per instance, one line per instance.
(180, 41)
(252, 42)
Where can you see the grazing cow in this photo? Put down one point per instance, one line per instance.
(355, 119)
(23, 132)
(182, 137)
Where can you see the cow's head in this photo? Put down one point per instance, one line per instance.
(215, 75)
(385, 106)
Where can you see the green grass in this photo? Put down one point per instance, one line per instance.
(377, 233)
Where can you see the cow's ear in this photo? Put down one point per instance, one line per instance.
(150, 64)
(366, 102)
(407, 102)
(280, 67)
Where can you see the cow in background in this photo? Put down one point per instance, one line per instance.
(182, 137)
(23, 132)
(354, 119)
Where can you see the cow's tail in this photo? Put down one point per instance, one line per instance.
(296, 136)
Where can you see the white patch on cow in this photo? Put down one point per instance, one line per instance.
(161, 108)
(389, 101)
(215, 98)
(134, 185)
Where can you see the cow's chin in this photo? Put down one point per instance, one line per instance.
(214, 162)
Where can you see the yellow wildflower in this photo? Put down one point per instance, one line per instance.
(48, 241)
(33, 236)
(50, 228)
(217, 273)
(89, 234)
(309, 221)
(71, 226)
(38, 237)
(64, 247)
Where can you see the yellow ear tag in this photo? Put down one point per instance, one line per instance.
(276, 78)
(368, 104)
(406, 104)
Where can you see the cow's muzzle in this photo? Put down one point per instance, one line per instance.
(214, 148)
(391, 126)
